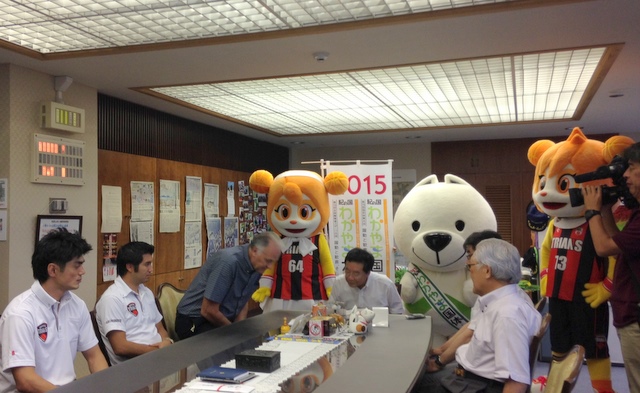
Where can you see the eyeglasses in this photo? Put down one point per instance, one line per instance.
(469, 266)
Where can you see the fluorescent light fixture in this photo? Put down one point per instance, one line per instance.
(48, 26)
(548, 86)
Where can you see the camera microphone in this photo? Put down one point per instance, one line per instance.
(614, 170)
(603, 172)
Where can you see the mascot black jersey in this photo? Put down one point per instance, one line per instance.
(573, 262)
(299, 277)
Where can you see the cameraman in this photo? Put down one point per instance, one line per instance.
(609, 241)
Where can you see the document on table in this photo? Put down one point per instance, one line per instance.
(198, 385)
(294, 357)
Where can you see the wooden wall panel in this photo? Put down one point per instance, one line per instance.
(119, 169)
(170, 246)
(135, 129)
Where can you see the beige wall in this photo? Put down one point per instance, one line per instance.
(22, 91)
(4, 172)
(405, 156)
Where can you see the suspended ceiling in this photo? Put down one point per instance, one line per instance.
(140, 68)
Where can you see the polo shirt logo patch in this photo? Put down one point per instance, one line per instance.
(131, 307)
(43, 332)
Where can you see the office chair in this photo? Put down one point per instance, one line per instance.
(168, 297)
(563, 372)
(536, 342)
(96, 330)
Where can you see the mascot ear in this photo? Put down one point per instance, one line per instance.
(615, 145)
(260, 181)
(537, 150)
(336, 183)
(453, 179)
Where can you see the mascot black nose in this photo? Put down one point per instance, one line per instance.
(437, 241)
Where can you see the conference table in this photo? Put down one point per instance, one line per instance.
(388, 359)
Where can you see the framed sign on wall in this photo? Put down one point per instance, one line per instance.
(47, 223)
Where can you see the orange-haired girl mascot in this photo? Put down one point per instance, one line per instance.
(576, 280)
(298, 210)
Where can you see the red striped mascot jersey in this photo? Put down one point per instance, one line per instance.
(299, 277)
(573, 262)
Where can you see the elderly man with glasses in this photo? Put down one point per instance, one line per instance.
(495, 358)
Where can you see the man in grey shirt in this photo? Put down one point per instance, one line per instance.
(219, 293)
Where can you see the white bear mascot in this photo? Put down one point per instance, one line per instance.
(431, 224)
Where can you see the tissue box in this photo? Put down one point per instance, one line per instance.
(258, 360)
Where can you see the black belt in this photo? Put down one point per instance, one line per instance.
(461, 372)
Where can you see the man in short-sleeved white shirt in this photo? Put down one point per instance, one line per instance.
(42, 329)
(127, 315)
(358, 286)
(503, 323)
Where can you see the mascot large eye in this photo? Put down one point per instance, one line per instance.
(542, 182)
(415, 225)
(282, 211)
(306, 211)
(565, 182)
(309, 384)
(460, 225)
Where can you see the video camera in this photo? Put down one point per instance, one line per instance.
(614, 171)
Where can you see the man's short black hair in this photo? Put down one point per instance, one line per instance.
(359, 255)
(477, 237)
(132, 253)
(59, 246)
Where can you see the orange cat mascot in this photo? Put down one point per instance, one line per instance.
(576, 280)
(298, 210)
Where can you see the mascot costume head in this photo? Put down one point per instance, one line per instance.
(431, 225)
(576, 280)
(298, 210)
(307, 380)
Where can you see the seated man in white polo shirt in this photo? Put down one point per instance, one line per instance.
(42, 329)
(127, 315)
(358, 286)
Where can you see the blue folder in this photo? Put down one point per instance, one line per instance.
(225, 375)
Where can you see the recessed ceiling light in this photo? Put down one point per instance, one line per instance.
(510, 88)
(73, 25)
(321, 56)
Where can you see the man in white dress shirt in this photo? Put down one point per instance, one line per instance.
(127, 315)
(503, 323)
(358, 286)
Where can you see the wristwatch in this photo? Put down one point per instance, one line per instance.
(589, 214)
(169, 339)
(436, 360)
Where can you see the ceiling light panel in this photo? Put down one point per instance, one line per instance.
(548, 86)
(551, 85)
(50, 26)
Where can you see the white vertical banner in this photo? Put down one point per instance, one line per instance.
(363, 216)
